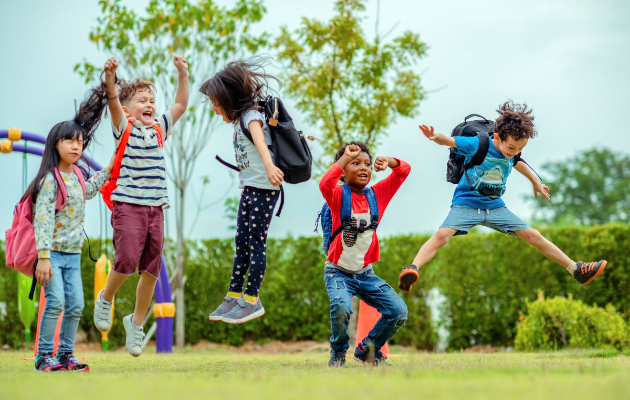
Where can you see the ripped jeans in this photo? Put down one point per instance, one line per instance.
(341, 286)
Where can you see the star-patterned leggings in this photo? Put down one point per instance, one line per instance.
(255, 211)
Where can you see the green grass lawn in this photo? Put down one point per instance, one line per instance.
(218, 374)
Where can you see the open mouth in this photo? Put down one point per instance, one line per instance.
(148, 114)
(362, 176)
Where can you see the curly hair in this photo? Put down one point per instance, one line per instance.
(129, 88)
(361, 145)
(515, 120)
(239, 86)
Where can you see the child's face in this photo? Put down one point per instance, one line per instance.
(141, 107)
(70, 150)
(358, 172)
(510, 147)
(218, 110)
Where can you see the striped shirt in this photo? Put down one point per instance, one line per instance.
(142, 178)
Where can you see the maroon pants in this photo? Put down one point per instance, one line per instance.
(138, 238)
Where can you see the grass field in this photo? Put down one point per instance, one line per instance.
(218, 374)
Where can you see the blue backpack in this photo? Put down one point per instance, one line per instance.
(325, 216)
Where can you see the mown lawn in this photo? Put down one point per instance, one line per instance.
(217, 374)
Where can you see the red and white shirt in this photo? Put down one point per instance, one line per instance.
(345, 251)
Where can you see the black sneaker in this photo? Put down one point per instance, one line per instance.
(48, 363)
(586, 272)
(370, 356)
(337, 358)
(408, 276)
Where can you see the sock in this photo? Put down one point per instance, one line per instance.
(571, 267)
(250, 299)
(235, 295)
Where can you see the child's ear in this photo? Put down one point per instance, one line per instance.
(495, 136)
(126, 111)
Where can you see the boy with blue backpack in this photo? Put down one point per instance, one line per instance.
(483, 154)
(350, 217)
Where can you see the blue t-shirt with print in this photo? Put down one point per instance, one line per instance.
(488, 179)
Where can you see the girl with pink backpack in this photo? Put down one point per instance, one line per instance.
(56, 199)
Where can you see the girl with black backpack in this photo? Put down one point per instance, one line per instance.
(235, 93)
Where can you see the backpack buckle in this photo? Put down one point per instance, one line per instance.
(362, 226)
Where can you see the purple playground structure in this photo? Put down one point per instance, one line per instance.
(164, 308)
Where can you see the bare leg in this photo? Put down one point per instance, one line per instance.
(549, 250)
(431, 246)
(144, 294)
(114, 282)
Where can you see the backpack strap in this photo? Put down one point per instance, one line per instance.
(346, 207)
(480, 155)
(158, 129)
(62, 194)
(518, 158)
(371, 198)
(120, 151)
(245, 130)
(79, 174)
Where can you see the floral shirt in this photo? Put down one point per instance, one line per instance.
(63, 230)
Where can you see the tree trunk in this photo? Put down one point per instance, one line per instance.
(179, 280)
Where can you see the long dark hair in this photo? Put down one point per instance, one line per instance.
(239, 86)
(84, 123)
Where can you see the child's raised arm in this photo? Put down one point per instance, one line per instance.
(437, 137)
(115, 108)
(181, 98)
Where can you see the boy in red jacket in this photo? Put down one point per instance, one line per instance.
(348, 269)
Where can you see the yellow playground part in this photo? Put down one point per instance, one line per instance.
(101, 273)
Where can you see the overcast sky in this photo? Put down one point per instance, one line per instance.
(569, 60)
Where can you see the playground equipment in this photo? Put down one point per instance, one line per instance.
(101, 273)
(164, 308)
(26, 307)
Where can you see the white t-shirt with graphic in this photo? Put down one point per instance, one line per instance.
(251, 168)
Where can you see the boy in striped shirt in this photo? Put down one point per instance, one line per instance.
(140, 195)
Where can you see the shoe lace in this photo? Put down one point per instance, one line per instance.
(380, 356)
(138, 335)
(49, 359)
(588, 267)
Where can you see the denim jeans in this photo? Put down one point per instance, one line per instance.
(64, 292)
(375, 292)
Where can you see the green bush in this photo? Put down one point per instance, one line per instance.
(563, 322)
(486, 279)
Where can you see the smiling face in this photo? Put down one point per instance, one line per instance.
(509, 147)
(141, 106)
(358, 172)
(70, 150)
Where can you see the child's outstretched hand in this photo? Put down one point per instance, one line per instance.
(180, 63)
(541, 188)
(428, 131)
(381, 163)
(275, 175)
(110, 67)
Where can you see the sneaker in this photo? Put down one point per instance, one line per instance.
(70, 363)
(228, 304)
(243, 312)
(586, 272)
(368, 355)
(337, 358)
(102, 313)
(135, 335)
(48, 363)
(408, 276)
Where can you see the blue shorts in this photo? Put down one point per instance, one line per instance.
(500, 219)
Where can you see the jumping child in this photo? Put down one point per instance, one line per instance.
(348, 270)
(235, 92)
(140, 195)
(480, 202)
(59, 230)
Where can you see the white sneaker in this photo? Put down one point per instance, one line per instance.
(102, 313)
(135, 335)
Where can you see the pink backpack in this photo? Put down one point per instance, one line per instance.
(21, 251)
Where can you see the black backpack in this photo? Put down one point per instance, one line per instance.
(455, 166)
(288, 145)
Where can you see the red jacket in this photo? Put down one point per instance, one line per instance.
(345, 251)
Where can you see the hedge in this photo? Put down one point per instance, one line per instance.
(486, 279)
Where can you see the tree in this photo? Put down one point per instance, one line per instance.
(209, 36)
(350, 87)
(591, 188)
